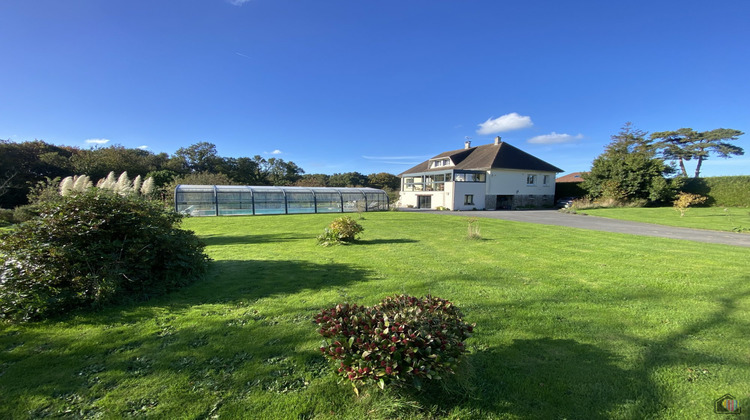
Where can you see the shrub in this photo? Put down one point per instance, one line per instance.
(685, 200)
(341, 230)
(586, 203)
(6, 217)
(402, 338)
(25, 213)
(91, 248)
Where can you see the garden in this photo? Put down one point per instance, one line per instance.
(568, 324)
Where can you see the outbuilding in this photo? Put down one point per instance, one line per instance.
(236, 200)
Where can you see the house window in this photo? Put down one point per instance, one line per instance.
(545, 180)
(530, 179)
(441, 162)
(471, 177)
(469, 199)
(413, 184)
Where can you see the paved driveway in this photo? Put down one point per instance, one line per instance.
(553, 217)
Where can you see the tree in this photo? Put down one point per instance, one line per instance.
(628, 169)
(280, 172)
(348, 179)
(200, 157)
(243, 170)
(687, 144)
(24, 164)
(312, 180)
(99, 161)
(384, 181)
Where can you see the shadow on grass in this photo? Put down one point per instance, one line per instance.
(562, 378)
(384, 241)
(217, 240)
(231, 281)
(534, 379)
(208, 354)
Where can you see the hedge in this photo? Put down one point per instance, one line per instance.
(724, 191)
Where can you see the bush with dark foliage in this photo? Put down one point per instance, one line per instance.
(93, 248)
(402, 338)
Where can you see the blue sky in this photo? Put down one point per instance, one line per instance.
(371, 86)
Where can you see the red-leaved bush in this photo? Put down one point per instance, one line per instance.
(401, 338)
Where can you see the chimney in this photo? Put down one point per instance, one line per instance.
(467, 144)
(498, 140)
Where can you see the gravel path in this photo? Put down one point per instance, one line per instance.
(553, 217)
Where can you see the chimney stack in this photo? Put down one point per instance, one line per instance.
(467, 144)
(498, 140)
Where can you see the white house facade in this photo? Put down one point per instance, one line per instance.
(489, 177)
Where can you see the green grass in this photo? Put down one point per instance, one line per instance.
(712, 218)
(570, 324)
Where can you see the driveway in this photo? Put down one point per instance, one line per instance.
(553, 217)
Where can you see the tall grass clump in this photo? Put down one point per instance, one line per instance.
(587, 203)
(473, 231)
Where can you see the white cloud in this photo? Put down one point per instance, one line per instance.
(554, 138)
(238, 2)
(97, 141)
(275, 152)
(142, 147)
(507, 122)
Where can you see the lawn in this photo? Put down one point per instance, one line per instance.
(570, 324)
(713, 218)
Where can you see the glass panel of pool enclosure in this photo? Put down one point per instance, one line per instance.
(235, 200)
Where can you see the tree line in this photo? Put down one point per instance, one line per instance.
(634, 165)
(25, 165)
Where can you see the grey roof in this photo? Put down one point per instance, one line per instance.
(489, 156)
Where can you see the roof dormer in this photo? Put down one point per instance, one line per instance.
(440, 163)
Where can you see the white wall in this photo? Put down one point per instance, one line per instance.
(513, 182)
(477, 189)
(439, 198)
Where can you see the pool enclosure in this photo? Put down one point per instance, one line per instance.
(235, 200)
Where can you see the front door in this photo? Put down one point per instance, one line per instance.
(425, 202)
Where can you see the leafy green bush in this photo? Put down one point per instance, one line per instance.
(92, 248)
(402, 338)
(6, 217)
(341, 230)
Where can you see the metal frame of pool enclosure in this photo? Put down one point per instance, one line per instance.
(236, 200)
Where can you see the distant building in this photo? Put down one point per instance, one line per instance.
(489, 177)
(569, 186)
(571, 177)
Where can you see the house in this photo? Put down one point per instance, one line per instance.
(569, 186)
(571, 177)
(488, 177)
